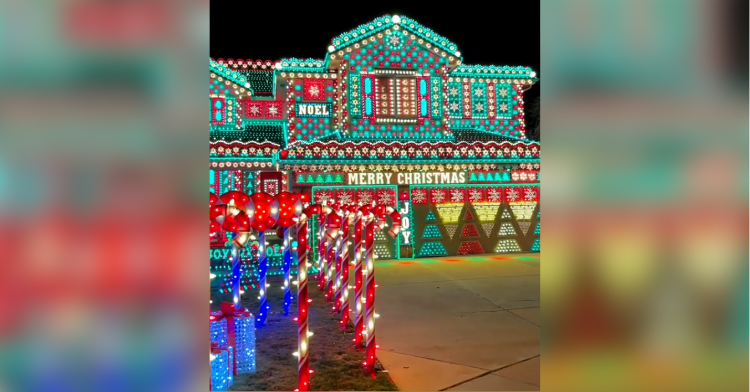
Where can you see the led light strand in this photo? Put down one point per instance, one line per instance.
(262, 268)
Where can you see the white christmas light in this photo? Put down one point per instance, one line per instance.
(331, 48)
(396, 19)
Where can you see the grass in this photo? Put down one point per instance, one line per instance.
(337, 364)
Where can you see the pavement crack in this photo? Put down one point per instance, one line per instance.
(492, 371)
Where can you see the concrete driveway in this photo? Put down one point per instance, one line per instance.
(460, 323)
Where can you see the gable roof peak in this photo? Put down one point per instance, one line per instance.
(427, 35)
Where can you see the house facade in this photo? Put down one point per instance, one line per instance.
(390, 114)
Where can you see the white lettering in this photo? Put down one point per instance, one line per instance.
(400, 178)
(302, 109)
(462, 177)
(445, 178)
(454, 178)
(362, 178)
(405, 210)
(406, 235)
(370, 178)
(388, 177)
(353, 179)
(317, 110)
(408, 178)
(379, 178)
(325, 110)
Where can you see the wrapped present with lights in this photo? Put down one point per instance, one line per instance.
(221, 368)
(389, 114)
(235, 329)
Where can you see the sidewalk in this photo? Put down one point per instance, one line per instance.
(460, 323)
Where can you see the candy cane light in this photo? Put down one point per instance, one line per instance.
(342, 293)
(290, 208)
(378, 213)
(303, 356)
(333, 230)
(359, 299)
(266, 214)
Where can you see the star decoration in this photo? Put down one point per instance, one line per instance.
(504, 107)
(479, 107)
(503, 92)
(453, 91)
(478, 92)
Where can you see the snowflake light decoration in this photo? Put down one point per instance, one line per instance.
(530, 194)
(255, 110)
(385, 198)
(512, 194)
(478, 92)
(324, 197)
(345, 198)
(475, 195)
(479, 107)
(438, 195)
(419, 196)
(457, 195)
(273, 110)
(493, 195)
(453, 106)
(365, 197)
(313, 91)
(453, 91)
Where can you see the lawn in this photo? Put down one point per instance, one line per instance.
(337, 364)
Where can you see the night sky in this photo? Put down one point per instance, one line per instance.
(506, 34)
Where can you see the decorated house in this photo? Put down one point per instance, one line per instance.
(390, 114)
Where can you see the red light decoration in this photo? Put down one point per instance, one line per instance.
(266, 211)
(290, 208)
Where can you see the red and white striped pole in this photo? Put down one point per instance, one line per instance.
(344, 298)
(333, 225)
(342, 262)
(359, 300)
(303, 355)
(369, 295)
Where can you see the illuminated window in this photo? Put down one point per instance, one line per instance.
(396, 97)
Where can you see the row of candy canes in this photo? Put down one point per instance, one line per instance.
(236, 212)
(334, 264)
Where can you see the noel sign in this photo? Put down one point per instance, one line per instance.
(313, 110)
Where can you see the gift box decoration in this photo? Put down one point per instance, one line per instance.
(218, 329)
(221, 369)
(240, 336)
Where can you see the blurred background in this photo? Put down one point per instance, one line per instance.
(644, 248)
(103, 165)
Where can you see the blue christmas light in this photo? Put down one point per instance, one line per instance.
(262, 268)
(220, 373)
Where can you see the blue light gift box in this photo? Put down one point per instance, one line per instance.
(235, 328)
